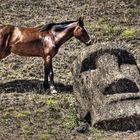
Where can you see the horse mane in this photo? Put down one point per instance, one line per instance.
(58, 26)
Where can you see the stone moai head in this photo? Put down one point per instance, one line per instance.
(107, 86)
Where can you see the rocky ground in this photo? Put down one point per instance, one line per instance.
(26, 112)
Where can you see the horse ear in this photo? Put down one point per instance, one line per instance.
(80, 21)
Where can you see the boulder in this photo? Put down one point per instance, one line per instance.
(106, 81)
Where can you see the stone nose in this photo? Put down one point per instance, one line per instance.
(108, 65)
(109, 69)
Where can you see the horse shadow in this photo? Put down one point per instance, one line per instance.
(23, 86)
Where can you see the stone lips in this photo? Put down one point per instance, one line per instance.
(107, 86)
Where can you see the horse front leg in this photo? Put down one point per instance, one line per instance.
(51, 80)
(49, 76)
(46, 74)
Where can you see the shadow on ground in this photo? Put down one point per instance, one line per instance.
(23, 86)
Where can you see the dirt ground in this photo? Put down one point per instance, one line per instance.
(26, 111)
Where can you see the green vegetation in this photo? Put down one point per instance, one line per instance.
(15, 114)
(26, 111)
(6, 115)
(44, 135)
(51, 102)
(106, 31)
(26, 129)
(102, 138)
(96, 131)
(68, 121)
(22, 114)
(128, 33)
(39, 111)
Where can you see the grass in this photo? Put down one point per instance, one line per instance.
(69, 121)
(106, 31)
(15, 114)
(55, 113)
(102, 138)
(6, 115)
(26, 129)
(26, 113)
(128, 33)
(39, 111)
(96, 131)
(19, 115)
(51, 102)
(44, 135)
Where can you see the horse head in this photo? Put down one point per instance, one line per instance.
(81, 33)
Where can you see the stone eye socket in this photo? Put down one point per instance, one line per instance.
(123, 56)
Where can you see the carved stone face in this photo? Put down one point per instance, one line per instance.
(107, 84)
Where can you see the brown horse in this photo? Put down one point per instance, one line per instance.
(43, 41)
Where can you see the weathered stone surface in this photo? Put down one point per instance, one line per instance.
(107, 86)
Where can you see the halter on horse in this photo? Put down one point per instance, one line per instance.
(43, 41)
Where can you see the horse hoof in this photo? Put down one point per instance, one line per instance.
(52, 90)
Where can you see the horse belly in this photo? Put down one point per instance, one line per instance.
(26, 49)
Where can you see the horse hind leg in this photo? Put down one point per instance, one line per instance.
(4, 55)
(4, 44)
(48, 80)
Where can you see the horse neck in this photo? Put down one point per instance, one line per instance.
(66, 34)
